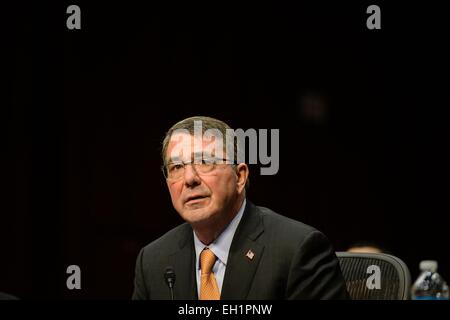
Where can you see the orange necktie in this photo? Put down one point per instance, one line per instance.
(208, 284)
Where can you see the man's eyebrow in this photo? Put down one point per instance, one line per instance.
(174, 159)
(209, 153)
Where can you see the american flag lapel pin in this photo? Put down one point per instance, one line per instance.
(250, 254)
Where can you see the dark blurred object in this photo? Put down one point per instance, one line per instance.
(5, 296)
(367, 247)
(314, 108)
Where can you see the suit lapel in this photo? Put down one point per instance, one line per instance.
(183, 261)
(244, 256)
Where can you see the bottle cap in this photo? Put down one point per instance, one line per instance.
(428, 265)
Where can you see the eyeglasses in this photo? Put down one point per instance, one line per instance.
(175, 170)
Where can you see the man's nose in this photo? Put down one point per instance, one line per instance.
(191, 177)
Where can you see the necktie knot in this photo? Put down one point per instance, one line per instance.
(207, 260)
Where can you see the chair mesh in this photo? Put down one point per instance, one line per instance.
(355, 271)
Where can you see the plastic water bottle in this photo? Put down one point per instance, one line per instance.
(429, 285)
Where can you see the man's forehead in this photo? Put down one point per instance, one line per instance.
(186, 147)
(196, 143)
(181, 136)
(187, 157)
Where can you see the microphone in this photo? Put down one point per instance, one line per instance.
(170, 277)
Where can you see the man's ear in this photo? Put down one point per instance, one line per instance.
(242, 173)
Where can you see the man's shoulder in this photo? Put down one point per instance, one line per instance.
(170, 241)
(280, 226)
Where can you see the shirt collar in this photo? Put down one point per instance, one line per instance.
(221, 246)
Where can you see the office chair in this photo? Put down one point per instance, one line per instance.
(375, 276)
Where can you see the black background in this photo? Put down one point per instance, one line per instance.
(85, 112)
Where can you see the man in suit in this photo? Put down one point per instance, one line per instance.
(229, 248)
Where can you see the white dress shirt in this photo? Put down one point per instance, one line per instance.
(220, 247)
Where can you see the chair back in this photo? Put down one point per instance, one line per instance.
(375, 276)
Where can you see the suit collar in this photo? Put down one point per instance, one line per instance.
(183, 262)
(244, 256)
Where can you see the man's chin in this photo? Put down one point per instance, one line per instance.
(197, 215)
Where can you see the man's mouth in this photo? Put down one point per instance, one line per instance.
(194, 199)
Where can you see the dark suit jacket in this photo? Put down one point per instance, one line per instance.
(291, 261)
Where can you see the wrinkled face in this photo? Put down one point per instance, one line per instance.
(198, 197)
